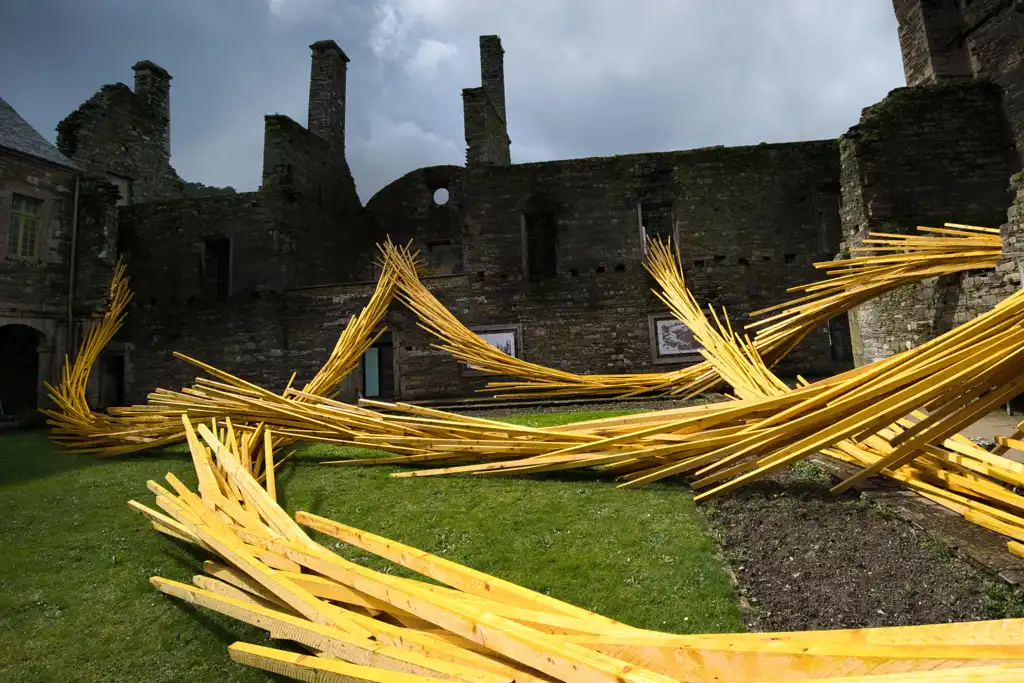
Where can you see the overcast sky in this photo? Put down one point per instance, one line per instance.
(583, 77)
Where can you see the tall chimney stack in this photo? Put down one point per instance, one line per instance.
(327, 93)
(492, 72)
(153, 85)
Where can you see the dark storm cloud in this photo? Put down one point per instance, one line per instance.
(583, 77)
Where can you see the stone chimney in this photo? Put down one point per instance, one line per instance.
(153, 86)
(327, 93)
(492, 72)
(931, 40)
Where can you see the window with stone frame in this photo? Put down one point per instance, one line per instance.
(26, 219)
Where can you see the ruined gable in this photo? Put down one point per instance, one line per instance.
(126, 134)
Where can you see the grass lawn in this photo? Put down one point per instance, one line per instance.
(76, 605)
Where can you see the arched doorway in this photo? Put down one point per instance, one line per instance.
(19, 368)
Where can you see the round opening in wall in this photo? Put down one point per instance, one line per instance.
(441, 196)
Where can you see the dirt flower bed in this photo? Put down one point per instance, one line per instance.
(804, 559)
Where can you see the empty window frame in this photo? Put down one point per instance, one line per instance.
(217, 267)
(540, 237)
(656, 221)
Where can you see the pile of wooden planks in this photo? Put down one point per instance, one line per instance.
(345, 622)
(155, 424)
(899, 417)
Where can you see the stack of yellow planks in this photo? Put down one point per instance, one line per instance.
(345, 622)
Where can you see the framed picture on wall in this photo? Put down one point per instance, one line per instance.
(506, 338)
(672, 341)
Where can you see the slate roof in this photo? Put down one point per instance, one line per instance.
(18, 136)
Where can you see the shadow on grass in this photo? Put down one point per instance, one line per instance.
(29, 455)
(227, 636)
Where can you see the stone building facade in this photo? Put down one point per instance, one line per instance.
(543, 259)
(37, 195)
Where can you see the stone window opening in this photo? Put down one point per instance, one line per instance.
(26, 218)
(540, 237)
(657, 221)
(216, 263)
(445, 257)
(124, 189)
(826, 217)
(441, 196)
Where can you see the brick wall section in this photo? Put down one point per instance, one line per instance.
(924, 156)
(116, 131)
(162, 243)
(98, 231)
(487, 139)
(1013, 231)
(928, 31)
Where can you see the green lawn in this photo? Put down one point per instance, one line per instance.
(76, 605)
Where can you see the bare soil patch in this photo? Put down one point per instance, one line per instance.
(804, 559)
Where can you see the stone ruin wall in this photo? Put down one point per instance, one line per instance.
(927, 155)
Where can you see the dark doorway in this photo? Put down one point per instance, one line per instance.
(839, 339)
(19, 369)
(111, 380)
(541, 245)
(379, 369)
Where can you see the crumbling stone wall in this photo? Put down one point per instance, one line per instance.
(126, 133)
(98, 230)
(483, 108)
(406, 211)
(164, 243)
(964, 39)
(310, 195)
(926, 155)
(748, 221)
(994, 34)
